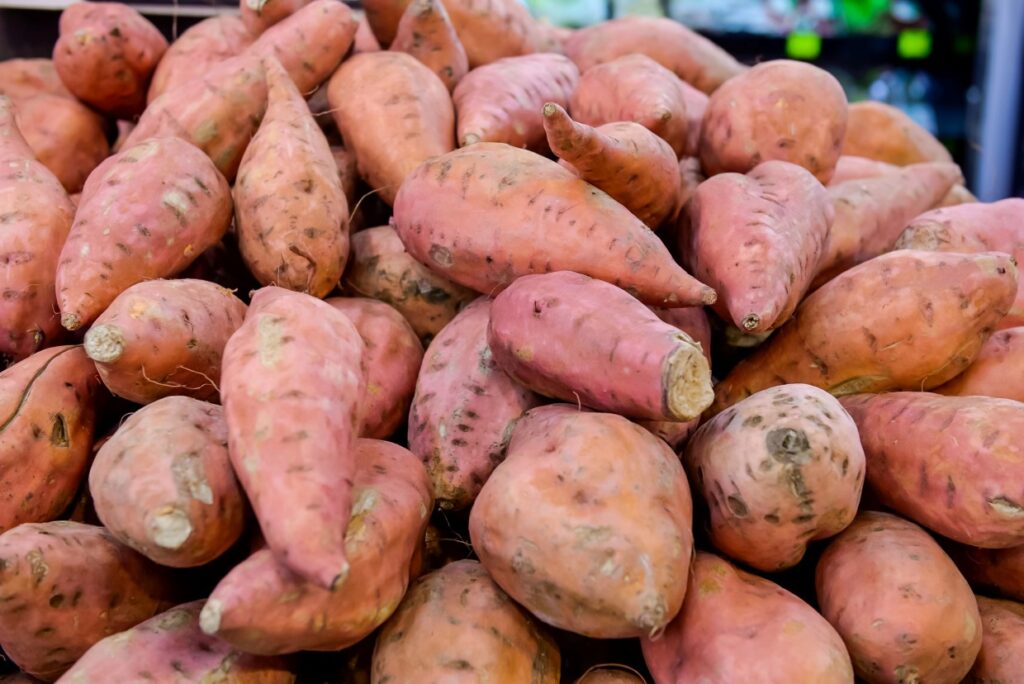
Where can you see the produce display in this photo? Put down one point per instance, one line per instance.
(428, 342)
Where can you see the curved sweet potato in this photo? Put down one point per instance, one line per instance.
(876, 130)
(1002, 643)
(426, 33)
(20, 78)
(850, 167)
(197, 50)
(997, 372)
(259, 15)
(611, 674)
(997, 570)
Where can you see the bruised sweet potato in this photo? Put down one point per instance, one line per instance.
(587, 523)
(611, 674)
(997, 372)
(997, 570)
(738, 627)
(904, 320)
(876, 130)
(292, 385)
(426, 33)
(259, 15)
(1002, 643)
(520, 213)
(199, 48)
(260, 607)
(904, 611)
(464, 409)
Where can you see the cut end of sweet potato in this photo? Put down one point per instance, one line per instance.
(209, 618)
(750, 322)
(688, 381)
(103, 343)
(70, 321)
(469, 139)
(170, 528)
(550, 109)
(708, 296)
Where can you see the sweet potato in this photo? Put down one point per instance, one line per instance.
(904, 320)
(855, 168)
(957, 196)
(876, 130)
(1002, 643)
(692, 57)
(260, 607)
(572, 337)
(635, 88)
(364, 41)
(633, 165)
(151, 210)
(738, 627)
(292, 384)
(997, 570)
(696, 107)
(456, 623)
(259, 15)
(502, 102)
(345, 162)
(392, 355)
(587, 523)
(198, 49)
(426, 33)
(290, 209)
(520, 213)
(393, 113)
(106, 55)
(611, 674)
(65, 587)
(21, 78)
(49, 407)
(757, 239)
(904, 611)
(997, 372)
(464, 409)
(690, 178)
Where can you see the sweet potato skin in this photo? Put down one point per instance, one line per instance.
(426, 32)
(1000, 571)
(624, 536)
(1002, 643)
(259, 15)
(997, 372)
(611, 674)
(920, 624)
(20, 78)
(199, 48)
(882, 132)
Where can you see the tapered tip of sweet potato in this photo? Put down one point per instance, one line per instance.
(688, 381)
(103, 343)
(470, 139)
(708, 296)
(550, 109)
(70, 321)
(209, 618)
(750, 322)
(170, 528)
(663, 114)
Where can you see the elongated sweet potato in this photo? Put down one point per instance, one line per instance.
(757, 239)
(20, 78)
(633, 165)
(880, 131)
(696, 106)
(48, 403)
(611, 674)
(364, 41)
(997, 372)
(1000, 571)
(783, 639)
(904, 611)
(66, 586)
(904, 320)
(198, 49)
(426, 33)
(261, 607)
(345, 162)
(520, 213)
(502, 101)
(292, 385)
(614, 564)
(690, 178)
(456, 623)
(259, 15)
(854, 168)
(464, 409)
(1002, 643)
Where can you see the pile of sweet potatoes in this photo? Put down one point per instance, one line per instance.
(437, 343)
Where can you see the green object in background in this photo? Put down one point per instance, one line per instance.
(914, 44)
(803, 45)
(862, 15)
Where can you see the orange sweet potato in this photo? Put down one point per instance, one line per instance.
(876, 130)
(259, 15)
(520, 213)
(904, 611)
(1002, 643)
(198, 49)
(611, 674)
(997, 570)
(426, 33)
(997, 372)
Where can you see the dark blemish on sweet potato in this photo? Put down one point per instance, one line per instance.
(737, 506)
(788, 445)
(752, 421)
(772, 518)
(59, 432)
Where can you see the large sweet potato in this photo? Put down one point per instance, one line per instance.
(20, 78)
(199, 48)
(876, 130)
(997, 372)
(259, 15)
(1002, 643)
(426, 33)
(1000, 571)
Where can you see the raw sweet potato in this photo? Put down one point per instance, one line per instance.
(147, 213)
(692, 57)
(393, 355)
(345, 162)
(757, 239)
(261, 607)
(464, 409)
(259, 15)
(393, 113)
(690, 178)
(997, 372)
(456, 624)
(633, 165)
(876, 130)
(364, 41)
(572, 337)
(696, 107)
(164, 337)
(587, 523)
(997, 570)
(21, 78)
(291, 212)
(611, 674)
(106, 55)
(426, 33)
(502, 102)
(520, 213)
(854, 168)
(199, 48)
(65, 587)
(904, 611)
(738, 627)
(904, 320)
(48, 403)
(292, 385)
(952, 464)
(781, 109)
(1002, 643)
(957, 196)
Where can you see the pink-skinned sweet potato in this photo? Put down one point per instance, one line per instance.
(291, 212)
(611, 674)
(456, 624)
(20, 78)
(348, 174)
(199, 48)
(171, 648)
(997, 372)
(696, 107)
(850, 167)
(757, 239)
(164, 337)
(106, 55)
(952, 464)
(587, 523)
(393, 355)
(957, 196)
(904, 611)
(502, 102)
(690, 178)
(770, 113)
(426, 33)
(574, 338)
(393, 113)
(738, 627)
(259, 15)
(65, 587)
(904, 320)
(520, 213)
(876, 130)
(1002, 642)
(365, 41)
(633, 165)
(147, 213)
(260, 607)
(1000, 571)
(48, 403)
(464, 408)
(292, 385)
